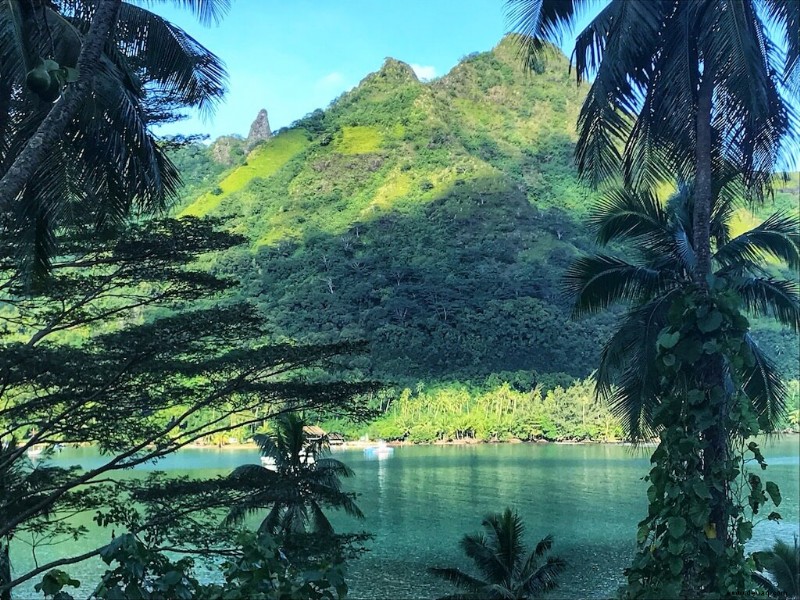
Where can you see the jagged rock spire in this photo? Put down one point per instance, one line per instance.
(259, 130)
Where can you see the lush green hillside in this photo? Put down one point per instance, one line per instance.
(433, 219)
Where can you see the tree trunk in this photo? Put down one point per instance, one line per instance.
(702, 183)
(5, 570)
(712, 371)
(64, 110)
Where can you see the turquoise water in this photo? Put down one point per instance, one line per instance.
(420, 501)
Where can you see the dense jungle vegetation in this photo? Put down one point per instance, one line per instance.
(417, 262)
(435, 220)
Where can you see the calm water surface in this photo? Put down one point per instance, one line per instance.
(420, 501)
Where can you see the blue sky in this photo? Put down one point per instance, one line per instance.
(292, 57)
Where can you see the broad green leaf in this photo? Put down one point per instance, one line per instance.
(172, 577)
(745, 531)
(701, 489)
(711, 322)
(676, 526)
(675, 565)
(774, 492)
(668, 340)
(675, 547)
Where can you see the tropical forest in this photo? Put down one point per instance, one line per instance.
(511, 313)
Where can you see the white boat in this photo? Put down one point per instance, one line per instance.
(269, 463)
(379, 451)
(34, 451)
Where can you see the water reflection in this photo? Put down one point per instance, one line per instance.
(421, 501)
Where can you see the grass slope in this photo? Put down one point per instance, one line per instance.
(262, 162)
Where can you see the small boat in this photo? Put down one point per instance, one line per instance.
(378, 452)
(34, 451)
(269, 463)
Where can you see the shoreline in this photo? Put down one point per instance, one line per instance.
(361, 444)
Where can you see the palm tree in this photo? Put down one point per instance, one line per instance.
(304, 482)
(105, 162)
(499, 555)
(681, 88)
(661, 236)
(779, 569)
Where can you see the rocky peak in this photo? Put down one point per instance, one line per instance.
(228, 150)
(397, 70)
(259, 130)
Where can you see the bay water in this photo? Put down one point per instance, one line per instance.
(420, 501)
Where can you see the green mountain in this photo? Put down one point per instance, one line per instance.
(433, 219)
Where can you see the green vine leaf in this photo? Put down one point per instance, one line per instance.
(676, 526)
(711, 322)
(675, 565)
(668, 340)
(701, 489)
(774, 493)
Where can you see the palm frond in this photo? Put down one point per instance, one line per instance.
(540, 579)
(458, 578)
(267, 445)
(627, 378)
(684, 249)
(634, 401)
(785, 17)
(778, 236)
(622, 214)
(169, 59)
(507, 531)
(544, 546)
(254, 474)
(16, 60)
(763, 384)
(782, 563)
(322, 525)
(748, 105)
(485, 558)
(334, 467)
(272, 521)
(653, 152)
(206, 11)
(542, 20)
(778, 298)
(596, 282)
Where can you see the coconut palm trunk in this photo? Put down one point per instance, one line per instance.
(716, 436)
(702, 181)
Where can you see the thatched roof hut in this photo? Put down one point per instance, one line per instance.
(314, 433)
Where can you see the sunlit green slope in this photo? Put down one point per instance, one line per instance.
(433, 219)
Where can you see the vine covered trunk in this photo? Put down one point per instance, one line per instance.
(711, 368)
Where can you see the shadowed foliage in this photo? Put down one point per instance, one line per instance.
(107, 164)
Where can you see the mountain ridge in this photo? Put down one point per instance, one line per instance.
(433, 219)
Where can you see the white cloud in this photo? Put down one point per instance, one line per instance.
(331, 80)
(423, 72)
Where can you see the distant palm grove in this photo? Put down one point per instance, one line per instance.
(496, 255)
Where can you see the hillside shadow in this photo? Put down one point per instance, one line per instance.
(457, 288)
